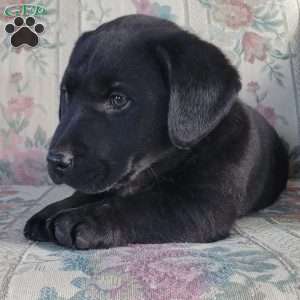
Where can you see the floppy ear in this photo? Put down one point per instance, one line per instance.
(203, 87)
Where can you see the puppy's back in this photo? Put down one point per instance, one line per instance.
(270, 173)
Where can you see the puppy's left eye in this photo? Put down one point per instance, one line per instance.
(118, 101)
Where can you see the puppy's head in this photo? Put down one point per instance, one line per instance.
(135, 89)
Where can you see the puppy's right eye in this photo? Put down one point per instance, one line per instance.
(118, 101)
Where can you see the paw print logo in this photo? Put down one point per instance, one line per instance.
(24, 33)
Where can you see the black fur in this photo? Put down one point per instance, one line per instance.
(180, 161)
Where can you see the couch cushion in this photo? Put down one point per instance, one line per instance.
(260, 260)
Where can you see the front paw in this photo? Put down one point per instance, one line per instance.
(37, 228)
(84, 228)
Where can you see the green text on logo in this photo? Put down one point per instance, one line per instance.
(24, 10)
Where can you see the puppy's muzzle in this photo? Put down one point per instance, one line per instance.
(60, 161)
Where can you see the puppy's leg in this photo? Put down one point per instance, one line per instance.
(148, 217)
(36, 227)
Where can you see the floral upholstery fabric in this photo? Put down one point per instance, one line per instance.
(260, 260)
(260, 37)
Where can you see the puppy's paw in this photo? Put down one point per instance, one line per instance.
(37, 228)
(84, 229)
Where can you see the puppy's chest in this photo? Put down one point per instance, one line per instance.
(142, 182)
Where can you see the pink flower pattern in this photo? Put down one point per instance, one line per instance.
(253, 87)
(161, 275)
(233, 13)
(29, 166)
(255, 47)
(26, 164)
(143, 7)
(10, 144)
(21, 105)
(162, 271)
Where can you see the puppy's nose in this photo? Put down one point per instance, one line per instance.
(61, 161)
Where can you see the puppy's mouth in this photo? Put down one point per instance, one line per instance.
(90, 181)
(87, 179)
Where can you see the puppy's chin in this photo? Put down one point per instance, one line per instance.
(80, 183)
(100, 185)
(56, 178)
(88, 181)
(90, 189)
(96, 185)
(92, 181)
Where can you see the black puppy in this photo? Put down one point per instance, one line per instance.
(155, 141)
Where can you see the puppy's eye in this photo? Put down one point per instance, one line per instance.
(118, 101)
